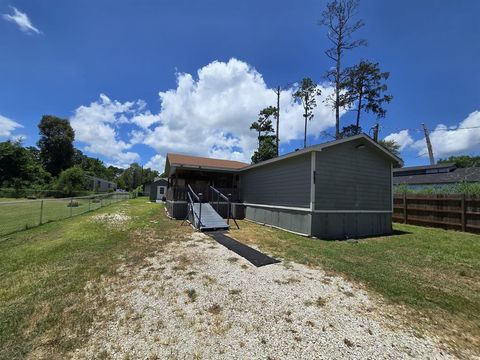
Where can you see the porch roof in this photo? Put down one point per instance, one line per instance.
(175, 161)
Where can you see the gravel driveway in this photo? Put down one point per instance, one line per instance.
(197, 300)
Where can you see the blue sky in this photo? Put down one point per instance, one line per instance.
(142, 78)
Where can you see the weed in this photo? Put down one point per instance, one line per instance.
(192, 294)
(215, 309)
(348, 342)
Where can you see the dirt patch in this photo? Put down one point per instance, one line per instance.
(112, 220)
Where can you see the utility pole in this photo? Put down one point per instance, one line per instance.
(429, 145)
(277, 91)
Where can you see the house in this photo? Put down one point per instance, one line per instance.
(100, 185)
(337, 189)
(157, 190)
(434, 176)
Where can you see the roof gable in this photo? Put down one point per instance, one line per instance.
(320, 147)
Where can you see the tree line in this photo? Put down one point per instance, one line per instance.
(56, 167)
(360, 88)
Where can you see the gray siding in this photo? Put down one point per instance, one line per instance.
(347, 178)
(296, 221)
(284, 183)
(348, 225)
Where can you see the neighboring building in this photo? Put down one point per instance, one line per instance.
(337, 189)
(434, 176)
(100, 185)
(146, 189)
(157, 190)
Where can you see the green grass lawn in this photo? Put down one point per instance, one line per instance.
(435, 272)
(16, 215)
(43, 272)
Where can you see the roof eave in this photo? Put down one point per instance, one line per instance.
(320, 147)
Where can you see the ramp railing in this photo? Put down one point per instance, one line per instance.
(219, 195)
(191, 203)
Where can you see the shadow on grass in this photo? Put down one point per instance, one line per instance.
(367, 237)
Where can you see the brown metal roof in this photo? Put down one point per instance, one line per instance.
(197, 161)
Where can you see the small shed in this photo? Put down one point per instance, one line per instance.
(158, 189)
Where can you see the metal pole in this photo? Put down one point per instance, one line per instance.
(89, 203)
(228, 208)
(200, 211)
(41, 212)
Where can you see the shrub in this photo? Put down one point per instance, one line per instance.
(71, 181)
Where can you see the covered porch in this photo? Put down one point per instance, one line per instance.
(200, 181)
(201, 174)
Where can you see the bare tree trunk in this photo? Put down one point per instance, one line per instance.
(337, 89)
(359, 108)
(305, 136)
(278, 119)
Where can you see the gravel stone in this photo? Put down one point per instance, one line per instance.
(279, 311)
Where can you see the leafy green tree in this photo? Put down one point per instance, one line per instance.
(114, 173)
(306, 93)
(266, 150)
(148, 175)
(350, 130)
(365, 86)
(132, 176)
(393, 147)
(264, 124)
(462, 161)
(56, 144)
(20, 167)
(266, 142)
(91, 166)
(338, 19)
(71, 181)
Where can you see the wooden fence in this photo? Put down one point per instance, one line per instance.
(457, 212)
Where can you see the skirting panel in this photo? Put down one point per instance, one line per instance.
(296, 221)
(323, 225)
(350, 225)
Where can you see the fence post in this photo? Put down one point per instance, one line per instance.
(71, 206)
(41, 212)
(464, 218)
(404, 207)
(89, 203)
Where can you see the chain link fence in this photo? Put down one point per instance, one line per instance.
(25, 214)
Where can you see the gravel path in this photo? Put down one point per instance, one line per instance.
(197, 300)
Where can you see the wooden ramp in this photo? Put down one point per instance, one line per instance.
(210, 219)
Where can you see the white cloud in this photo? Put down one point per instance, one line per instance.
(211, 115)
(447, 141)
(97, 125)
(402, 138)
(22, 20)
(7, 126)
(208, 116)
(156, 162)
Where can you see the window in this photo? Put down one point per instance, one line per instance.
(161, 190)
